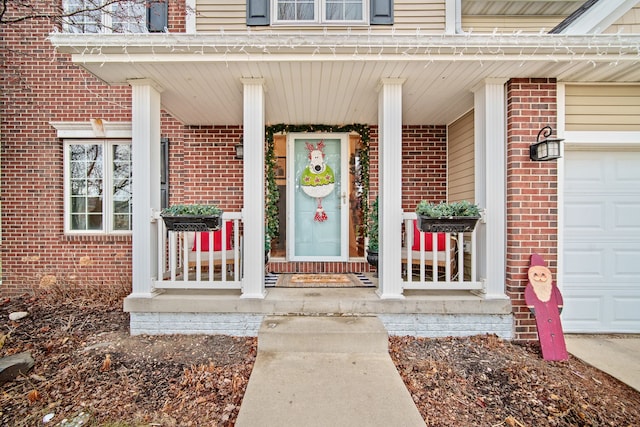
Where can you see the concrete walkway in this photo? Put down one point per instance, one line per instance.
(325, 371)
(617, 355)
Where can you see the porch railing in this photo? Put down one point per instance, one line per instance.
(451, 268)
(183, 264)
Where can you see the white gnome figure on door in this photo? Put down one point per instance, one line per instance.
(317, 179)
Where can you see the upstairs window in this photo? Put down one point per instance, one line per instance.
(320, 12)
(108, 16)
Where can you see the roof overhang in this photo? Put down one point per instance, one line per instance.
(333, 78)
(520, 7)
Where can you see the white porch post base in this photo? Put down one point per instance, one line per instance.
(390, 198)
(490, 179)
(254, 200)
(145, 157)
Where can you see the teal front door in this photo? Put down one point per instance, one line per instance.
(317, 215)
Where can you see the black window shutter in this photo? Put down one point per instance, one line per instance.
(157, 16)
(257, 12)
(164, 173)
(381, 12)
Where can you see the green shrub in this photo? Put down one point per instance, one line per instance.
(373, 227)
(440, 210)
(200, 210)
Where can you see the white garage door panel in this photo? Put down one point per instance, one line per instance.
(584, 264)
(586, 311)
(627, 265)
(625, 308)
(601, 255)
(583, 309)
(627, 216)
(626, 171)
(588, 216)
(587, 174)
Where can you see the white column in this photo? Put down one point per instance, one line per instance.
(490, 183)
(390, 201)
(145, 158)
(253, 177)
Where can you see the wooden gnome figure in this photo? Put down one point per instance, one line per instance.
(317, 179)
(545, 302)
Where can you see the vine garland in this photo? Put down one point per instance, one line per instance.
(273, 195)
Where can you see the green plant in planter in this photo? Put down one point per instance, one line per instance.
(192, 217)
(463, 208)
(192, 210)
(372, 230)
(456, 217)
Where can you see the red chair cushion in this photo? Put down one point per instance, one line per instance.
(217, 239)
(428, 240)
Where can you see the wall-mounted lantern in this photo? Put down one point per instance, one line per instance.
(547, 149)
(239, 151)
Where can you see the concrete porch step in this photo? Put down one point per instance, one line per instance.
(325, 371)
(323, 334)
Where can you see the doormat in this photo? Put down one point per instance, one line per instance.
(320, 280)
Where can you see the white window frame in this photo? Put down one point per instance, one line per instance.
(319, 12)
(106, 18)
(107, 186)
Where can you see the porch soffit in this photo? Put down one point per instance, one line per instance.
(332, 79)
(520, 7)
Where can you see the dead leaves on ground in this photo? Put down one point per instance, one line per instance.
(86, 361)
(106, 364)
(33, 396)
(484, 380)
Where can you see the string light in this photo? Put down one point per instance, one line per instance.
(613, 49)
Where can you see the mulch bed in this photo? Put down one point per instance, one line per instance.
(86, 363)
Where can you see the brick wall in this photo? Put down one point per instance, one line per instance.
(177, 16)
(532, 203)
(424, 165)
(209, 171)
(38, 86)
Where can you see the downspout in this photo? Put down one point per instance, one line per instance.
(453, 17)
(458, 13)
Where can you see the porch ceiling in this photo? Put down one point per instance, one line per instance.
(520, 7)
(333, 79)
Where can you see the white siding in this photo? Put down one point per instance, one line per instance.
(460, 161)
(509, 24)
(628, 24)
(429, 16)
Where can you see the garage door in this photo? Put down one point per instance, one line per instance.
(601, 259)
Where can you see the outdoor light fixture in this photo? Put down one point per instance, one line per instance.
(547, 149)
(239, 151)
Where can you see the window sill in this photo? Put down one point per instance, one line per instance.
(319, 24)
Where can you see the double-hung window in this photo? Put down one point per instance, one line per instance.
(98, 191)
(104, 16)
(320, 12)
